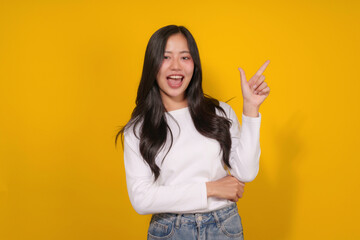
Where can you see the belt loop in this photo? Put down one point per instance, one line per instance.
(177, 223)
(216, 218)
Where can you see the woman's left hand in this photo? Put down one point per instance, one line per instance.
(256, 89)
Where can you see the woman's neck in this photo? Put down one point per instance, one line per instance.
(175, 105)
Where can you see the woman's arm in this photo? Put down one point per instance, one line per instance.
(148, 197)
(245, 148)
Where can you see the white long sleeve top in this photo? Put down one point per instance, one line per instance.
(192, 161)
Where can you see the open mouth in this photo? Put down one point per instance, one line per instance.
(175, 81)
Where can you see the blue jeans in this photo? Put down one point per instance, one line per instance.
(224, 223)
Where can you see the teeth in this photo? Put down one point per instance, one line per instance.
(175, 77)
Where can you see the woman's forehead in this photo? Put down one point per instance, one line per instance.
(177, 43)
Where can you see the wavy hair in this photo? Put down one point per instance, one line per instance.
(149, 112)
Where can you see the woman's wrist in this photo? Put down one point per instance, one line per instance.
(209, 189)
(250, 110)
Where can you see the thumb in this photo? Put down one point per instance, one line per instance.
(243, 81)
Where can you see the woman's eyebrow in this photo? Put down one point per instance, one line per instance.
(180, 52)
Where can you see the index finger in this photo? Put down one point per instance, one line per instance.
(262, 68)
(241, 183)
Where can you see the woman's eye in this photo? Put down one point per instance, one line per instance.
(166, 57)
(186, 58)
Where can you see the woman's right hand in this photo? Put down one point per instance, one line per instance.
(227, 188)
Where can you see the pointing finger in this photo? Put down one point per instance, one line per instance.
(262, 68)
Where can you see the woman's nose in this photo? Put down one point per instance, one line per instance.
(175, 64)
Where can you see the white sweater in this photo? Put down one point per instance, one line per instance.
(192, 161)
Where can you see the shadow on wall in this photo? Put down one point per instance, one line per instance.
(273, 202)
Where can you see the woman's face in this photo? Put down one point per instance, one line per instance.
(176, 70)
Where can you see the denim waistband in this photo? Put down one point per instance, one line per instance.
(216, 216)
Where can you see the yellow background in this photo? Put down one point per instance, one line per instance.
(69, 72)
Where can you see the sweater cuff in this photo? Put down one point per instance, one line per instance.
(251, 119)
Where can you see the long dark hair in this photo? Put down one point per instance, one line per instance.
(150, 111)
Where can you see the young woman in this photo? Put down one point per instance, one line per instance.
(186, 155)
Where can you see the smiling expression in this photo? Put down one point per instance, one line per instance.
(176, 71)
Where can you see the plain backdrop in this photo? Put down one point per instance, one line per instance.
(69, 72)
